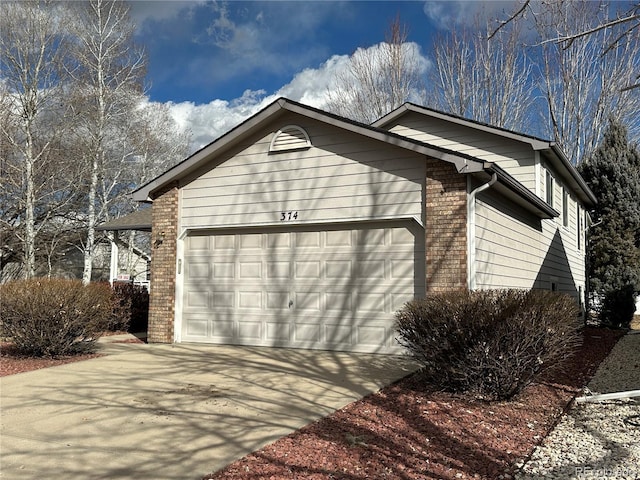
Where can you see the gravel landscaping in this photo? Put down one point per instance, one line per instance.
(597, 440)
(407, 432)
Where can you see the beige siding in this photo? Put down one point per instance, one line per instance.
(515, 250)
(341, 177)
(516, 158)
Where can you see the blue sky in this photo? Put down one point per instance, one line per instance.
(202, 51)
(215, 63)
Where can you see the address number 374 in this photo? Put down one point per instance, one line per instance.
(288, 216)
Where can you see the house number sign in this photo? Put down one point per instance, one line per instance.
(288, 216)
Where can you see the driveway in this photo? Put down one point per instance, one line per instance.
(172, 411)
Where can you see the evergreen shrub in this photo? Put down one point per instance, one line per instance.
(488, 343)
(618, 307)
(55, 317)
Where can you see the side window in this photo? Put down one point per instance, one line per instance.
(549, 188)
(565, 208)
(578, 227)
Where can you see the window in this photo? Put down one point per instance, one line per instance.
(565, 208)
(578, 227)
(549, 188)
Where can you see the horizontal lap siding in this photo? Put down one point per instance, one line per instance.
(511, 253)
(516, 158)
(341, 177)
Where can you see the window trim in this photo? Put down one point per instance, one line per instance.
(549, 188)
(565, 207)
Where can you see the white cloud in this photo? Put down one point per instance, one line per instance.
(310, 86)
(449, 13)
(142, 10)
(211, 120)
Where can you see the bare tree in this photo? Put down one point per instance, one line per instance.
(378, 79)
(628, 19)
(586, 77)
(481, 79)
(109, 73)
(32, 59)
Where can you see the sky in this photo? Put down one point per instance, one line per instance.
(216, 63)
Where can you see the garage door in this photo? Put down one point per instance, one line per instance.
(333, 289)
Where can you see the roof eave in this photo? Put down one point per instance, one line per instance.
(517, 192)
(464, 163)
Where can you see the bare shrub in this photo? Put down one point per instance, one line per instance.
(133, 301)
(55, 317)
(489, 343)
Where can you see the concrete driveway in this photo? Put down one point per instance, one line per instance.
(172, 411)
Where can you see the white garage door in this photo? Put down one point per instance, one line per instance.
(334, 289)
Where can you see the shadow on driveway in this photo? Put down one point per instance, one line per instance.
(173, 411)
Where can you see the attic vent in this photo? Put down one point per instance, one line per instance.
(290, 137)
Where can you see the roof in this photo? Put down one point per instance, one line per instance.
(463, 162)
(553, 153)
(138, 220)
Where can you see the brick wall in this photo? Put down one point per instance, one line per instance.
(446, 227)
(164, 231)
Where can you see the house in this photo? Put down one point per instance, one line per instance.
(299, 228)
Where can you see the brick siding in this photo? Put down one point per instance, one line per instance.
(164, 232)
(446, 227)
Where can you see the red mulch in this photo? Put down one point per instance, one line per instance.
(11, 362)
(406, 432)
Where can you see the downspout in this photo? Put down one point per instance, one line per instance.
(471, 230)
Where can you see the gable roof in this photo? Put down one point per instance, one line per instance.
(553, 153)
(138, 220)
(464, 163)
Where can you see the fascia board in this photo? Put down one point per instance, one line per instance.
(193, 162)
(464, 163)
(522, 195)
(571, 174)
(536, 143)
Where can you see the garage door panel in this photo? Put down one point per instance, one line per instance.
(307, 239)
(307, 301)
(278, 332)
(197, 300)
(336, 288)
(277, 300)
(250, 270)
(222, 328)
(307, 333)
(223, 300)
(307, 269)
(250, 299)
(278, 269)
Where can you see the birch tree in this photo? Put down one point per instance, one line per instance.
(32, 62)
(109, 74)
(379, 79)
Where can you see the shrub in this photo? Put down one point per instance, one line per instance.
(488, 343)
(617, 308)
(134, 305)
(55, 317)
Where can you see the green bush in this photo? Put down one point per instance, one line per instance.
(134, 303)
(618, 307)
(54, 317)
(488, 343)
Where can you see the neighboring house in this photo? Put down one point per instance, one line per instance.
(299, 228)
(128, 262)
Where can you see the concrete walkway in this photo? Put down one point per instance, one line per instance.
(172, 411)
